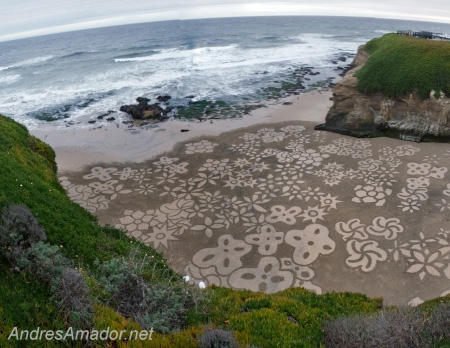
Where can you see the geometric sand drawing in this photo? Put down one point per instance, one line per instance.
(272, 207)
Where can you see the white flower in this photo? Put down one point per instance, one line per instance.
(135, 220)
(419, 168)
(313, 214)
(186, 278)
(270, 137)
(202, 285)
(371, 194)
(203, 146)
(311, 158)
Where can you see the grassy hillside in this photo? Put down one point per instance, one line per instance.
(399, 65)
(293, 318)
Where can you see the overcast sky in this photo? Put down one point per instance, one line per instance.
(23, 18)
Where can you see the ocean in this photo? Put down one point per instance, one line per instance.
(230, 65)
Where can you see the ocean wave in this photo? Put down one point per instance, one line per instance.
(273, 38)
(77, 54)
(176, 53)
(127, 57)
(27, 62)
(10, 78)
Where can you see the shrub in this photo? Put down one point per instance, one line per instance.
(73, 300)
(22, 242)
(154, 301)
(68, 287)
(19, 231)
(406, 327)
(396, 329)
(45, 262)
(437, 327)
(218, 338)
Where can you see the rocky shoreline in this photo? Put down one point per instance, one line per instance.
(303, 79)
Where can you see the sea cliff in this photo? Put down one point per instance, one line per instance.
(398, 87)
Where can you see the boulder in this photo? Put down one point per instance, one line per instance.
(164, 99)
(143, 110)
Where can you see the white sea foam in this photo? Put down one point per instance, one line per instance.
(31, 61)
(27, 62)
(312, 49)
(176, 53)
(9, 78)
(206, 72)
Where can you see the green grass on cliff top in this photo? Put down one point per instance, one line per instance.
(399, 65)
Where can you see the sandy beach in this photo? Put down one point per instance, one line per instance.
(116, 142)
(271, 203)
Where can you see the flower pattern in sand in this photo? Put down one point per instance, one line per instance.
(269, 208)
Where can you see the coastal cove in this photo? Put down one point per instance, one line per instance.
(248, 200)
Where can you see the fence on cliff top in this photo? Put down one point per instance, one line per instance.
(424, 34)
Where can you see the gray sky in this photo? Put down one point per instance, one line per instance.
(23, 18)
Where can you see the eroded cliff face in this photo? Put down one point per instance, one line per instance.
(408, 117)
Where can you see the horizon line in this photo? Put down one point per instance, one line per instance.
(96, 24)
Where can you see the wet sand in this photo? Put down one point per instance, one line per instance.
(116, 142)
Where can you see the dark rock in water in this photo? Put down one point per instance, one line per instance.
(164, 98)
(111, 119)
(314, 73)
(104, 115)
(189, 97)
(143, 110)
(342, 59)
(142, 100)
(287, 103)
(184, 130)
(92, 121)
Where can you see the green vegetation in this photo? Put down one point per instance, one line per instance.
(104, 267)
(215, 109)
(28, 177)
(292, 318)
(399, 65)
(427, 326)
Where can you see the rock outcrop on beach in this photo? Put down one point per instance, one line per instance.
(408, 117)
(143, 110)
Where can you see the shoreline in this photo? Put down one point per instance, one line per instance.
(115, 142)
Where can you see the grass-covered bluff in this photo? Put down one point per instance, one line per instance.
(399, 65)
(292, 318)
